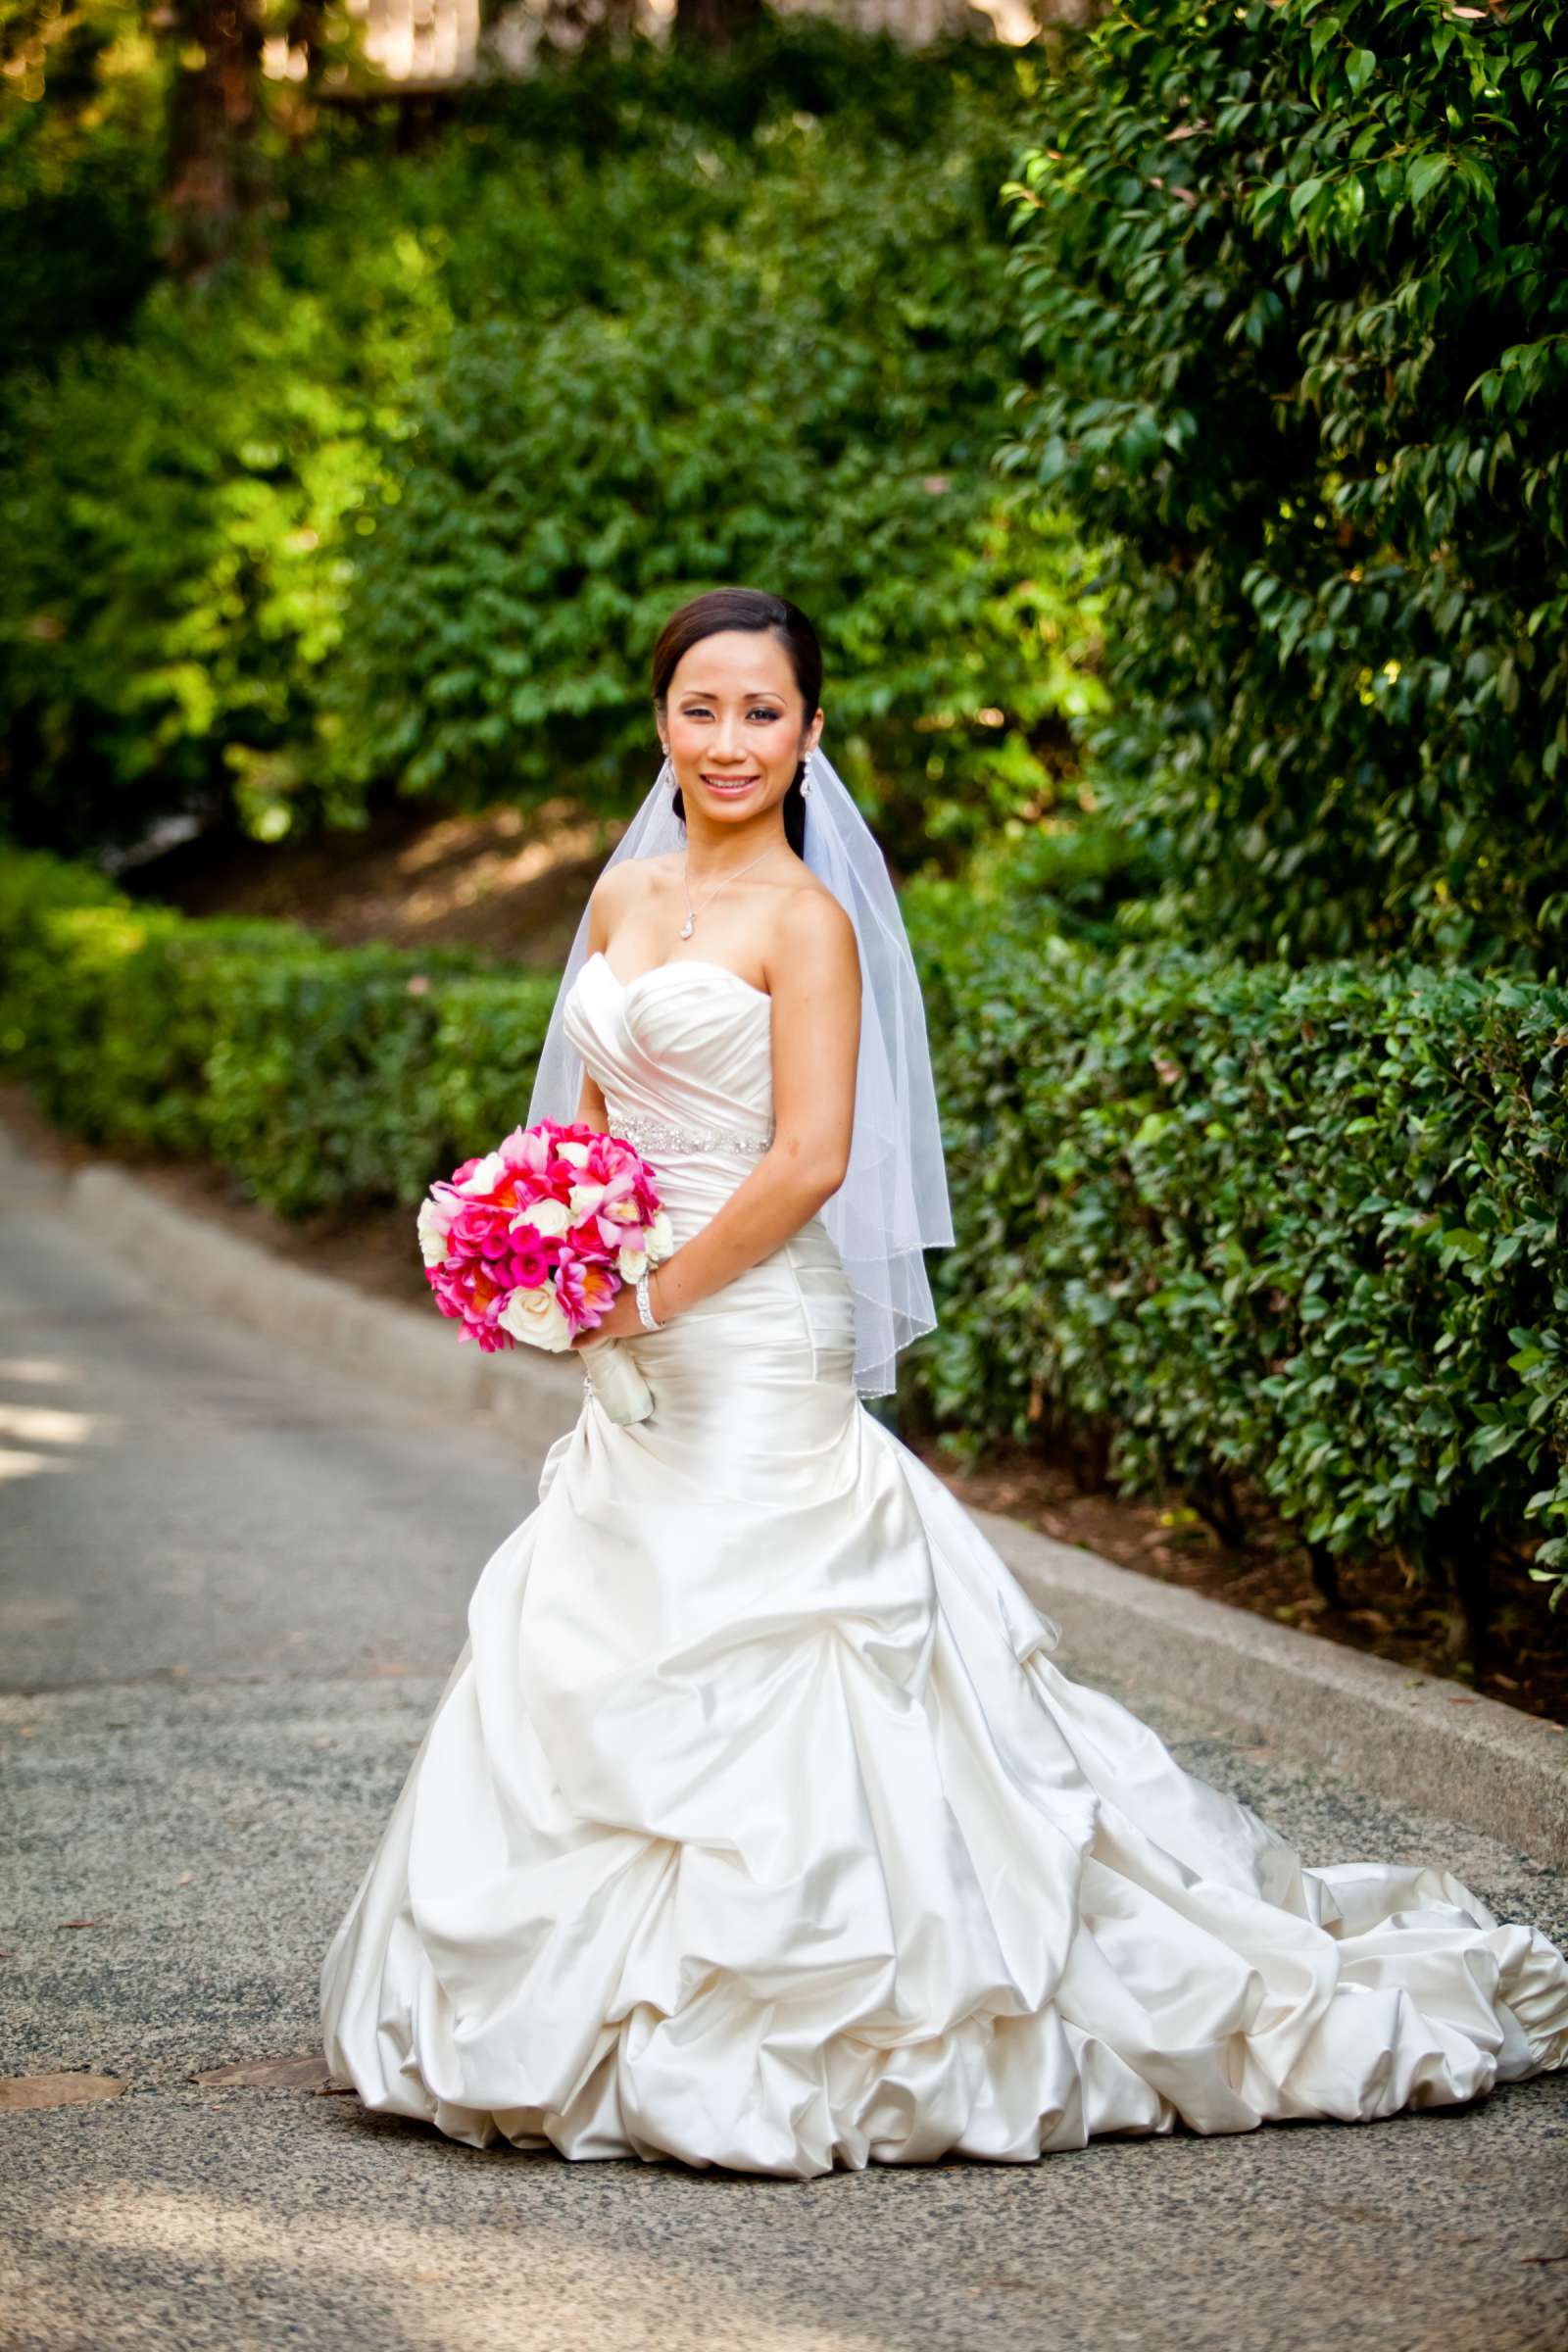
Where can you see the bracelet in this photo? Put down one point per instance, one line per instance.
(650, 1321)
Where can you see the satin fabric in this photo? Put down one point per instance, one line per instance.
(757, 1826)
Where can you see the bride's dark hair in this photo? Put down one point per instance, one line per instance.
(746, 609)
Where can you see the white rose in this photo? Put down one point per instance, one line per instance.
(432, 1229)
(660, 1236)
(486, 1176)
(577, 1154)
(545, 1216)
(631, 1263)
(538, 1317)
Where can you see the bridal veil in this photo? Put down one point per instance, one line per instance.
(893, 1202)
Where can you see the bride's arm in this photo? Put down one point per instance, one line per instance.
(814, 972)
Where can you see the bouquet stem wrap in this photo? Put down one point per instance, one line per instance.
(616, 1380)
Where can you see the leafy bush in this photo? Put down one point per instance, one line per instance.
(1228, 1228)
(315, 1075)
(328, 1088)
(1293, 278)
(1227, 1225)
(105, 1005)
(409, 501)
(824, 426)
(81, 109)
(172, 550)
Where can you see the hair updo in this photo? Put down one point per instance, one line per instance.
(746, 609)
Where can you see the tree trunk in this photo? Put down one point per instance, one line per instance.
(212, 118)
(1326, 1574)
(713, 23)
(307, 30)
(1462, 1554)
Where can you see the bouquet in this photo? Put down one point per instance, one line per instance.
(534, 1240)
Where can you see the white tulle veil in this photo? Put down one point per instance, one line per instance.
(893, 1203)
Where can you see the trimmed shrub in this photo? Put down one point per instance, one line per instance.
(1223, 1228)
(328, 1087)
(1298, 1229)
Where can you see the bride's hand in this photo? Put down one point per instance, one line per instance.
(619, 1320)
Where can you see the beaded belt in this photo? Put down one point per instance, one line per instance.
(657, 1135)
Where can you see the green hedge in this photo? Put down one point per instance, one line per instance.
(326, 1079)
(1234, 1229)
(1292, 275)
(1231, 1226)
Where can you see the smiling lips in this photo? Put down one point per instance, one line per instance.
(728, 783)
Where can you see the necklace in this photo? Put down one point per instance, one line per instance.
(690, 924)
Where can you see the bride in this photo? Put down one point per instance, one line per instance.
(757, 1825)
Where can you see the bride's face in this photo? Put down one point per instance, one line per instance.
(736, 731)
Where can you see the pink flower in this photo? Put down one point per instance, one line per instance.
(550, 1216)
(586, 1288)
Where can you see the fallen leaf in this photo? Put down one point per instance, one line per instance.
(300, 2070)
(56, 2090)
(184, 1878)
(78, 1923)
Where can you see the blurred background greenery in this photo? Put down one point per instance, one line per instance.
(1158, 409)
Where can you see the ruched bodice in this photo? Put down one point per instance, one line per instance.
(759, 1826)
(686, 1042)
(686, 1049)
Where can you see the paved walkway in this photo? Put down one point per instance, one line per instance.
(230, 1588)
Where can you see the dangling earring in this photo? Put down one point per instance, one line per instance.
(805, 780)
(666, 774)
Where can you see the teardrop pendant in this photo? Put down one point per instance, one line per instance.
(688, 926)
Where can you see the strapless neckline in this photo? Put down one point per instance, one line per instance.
(678, 963)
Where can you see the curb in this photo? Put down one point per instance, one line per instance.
(415, 1356)
(1429, 1743)
(1409, 1735)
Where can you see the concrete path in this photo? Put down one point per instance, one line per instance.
(231, 1586)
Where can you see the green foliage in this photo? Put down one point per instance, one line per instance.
(1090, 878)
(80, 151)
(172, 550)
(409, 501)
(327, 1088)
(324, 1080)
(107, 1006)
(825, 427)
(1298, 1229)
(1295, 281)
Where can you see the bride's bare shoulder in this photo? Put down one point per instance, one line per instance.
(812, 932)
(622, 888)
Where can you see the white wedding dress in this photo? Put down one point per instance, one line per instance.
(757, 1825)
